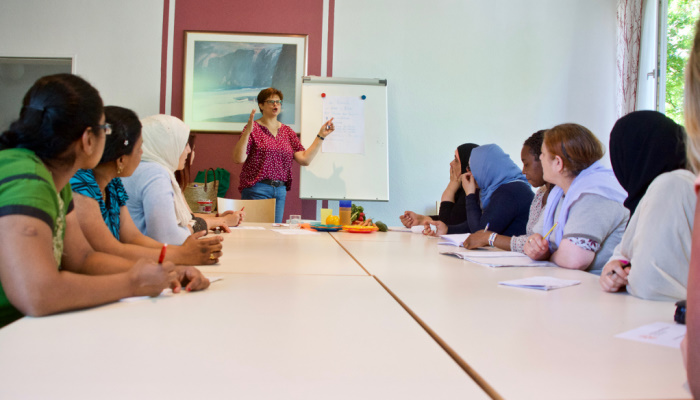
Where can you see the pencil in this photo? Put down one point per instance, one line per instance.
(242, 208)
(550, 230)
(487, 227)
(162, 253)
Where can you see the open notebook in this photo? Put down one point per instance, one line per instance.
(495, 258)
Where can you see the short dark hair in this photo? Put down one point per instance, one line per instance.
(575, 145)
(534, 143)
(126, 130)
(55, 112)
(266, 94)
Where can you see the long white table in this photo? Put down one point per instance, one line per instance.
(295, 317)
(526, 344)
(342, 315)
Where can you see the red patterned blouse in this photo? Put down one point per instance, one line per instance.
(269, 157)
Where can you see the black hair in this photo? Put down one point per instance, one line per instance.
(534, 142)
(126, 131)
(55, 112)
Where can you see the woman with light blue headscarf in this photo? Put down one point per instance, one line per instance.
(504, 198)
(584, 211)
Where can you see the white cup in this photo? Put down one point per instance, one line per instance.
(294, 221)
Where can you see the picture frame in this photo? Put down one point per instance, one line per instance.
(224, 72)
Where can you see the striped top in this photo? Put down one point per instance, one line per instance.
(27, 188)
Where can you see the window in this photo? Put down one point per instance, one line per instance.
(17, 75)
(680, 21)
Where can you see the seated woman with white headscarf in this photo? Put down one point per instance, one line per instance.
(156, 203)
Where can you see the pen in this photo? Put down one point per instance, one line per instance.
(550, 230)
(487, 227)
(624, 263)
(162, 253)
(242, 208)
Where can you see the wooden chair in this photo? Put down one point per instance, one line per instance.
(255, 210)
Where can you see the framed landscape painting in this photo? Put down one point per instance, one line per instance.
(224, 72)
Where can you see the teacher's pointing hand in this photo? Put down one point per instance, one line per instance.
(327, 128)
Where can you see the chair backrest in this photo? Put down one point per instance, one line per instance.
(255, 210)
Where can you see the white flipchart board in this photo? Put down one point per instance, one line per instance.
(362, 175)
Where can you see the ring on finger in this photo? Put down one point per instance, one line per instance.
(212, 256)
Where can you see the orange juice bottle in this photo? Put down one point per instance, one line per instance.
(344, 212)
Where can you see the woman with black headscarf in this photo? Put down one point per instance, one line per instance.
(452, 204)
(647, 152)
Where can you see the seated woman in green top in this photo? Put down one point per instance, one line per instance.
(100, 201)
(46, 265)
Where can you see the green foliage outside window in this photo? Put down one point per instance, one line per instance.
(682, 15)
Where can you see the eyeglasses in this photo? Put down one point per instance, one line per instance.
(107, 128)
(273, 102)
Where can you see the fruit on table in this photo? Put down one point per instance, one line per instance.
(333, 220)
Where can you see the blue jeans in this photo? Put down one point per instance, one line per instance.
(265, 191)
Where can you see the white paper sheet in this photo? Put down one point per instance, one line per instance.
(456, 239)
(348, 113)
(540, 283)
(494, 258)
(399, 229)
(659, 333)
(417, 229)
(294, 232)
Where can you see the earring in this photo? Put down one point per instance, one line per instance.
(119, 170)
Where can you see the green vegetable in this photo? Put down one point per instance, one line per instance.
(382, 226)
(355, 212)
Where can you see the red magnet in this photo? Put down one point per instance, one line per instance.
(323, 95)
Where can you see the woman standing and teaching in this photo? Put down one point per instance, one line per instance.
(267, 148)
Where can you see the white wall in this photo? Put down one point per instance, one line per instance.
(475, 71)
(116, 44)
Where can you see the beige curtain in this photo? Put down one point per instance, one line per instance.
(629, 38)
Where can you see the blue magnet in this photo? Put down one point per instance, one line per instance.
(364, 97)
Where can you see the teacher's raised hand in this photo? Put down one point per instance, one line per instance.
(251, 119)
(327, 128)
(239, 154)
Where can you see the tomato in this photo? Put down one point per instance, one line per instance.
(333, 220)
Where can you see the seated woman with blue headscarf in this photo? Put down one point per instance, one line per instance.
(584, 210)
(503, 202)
